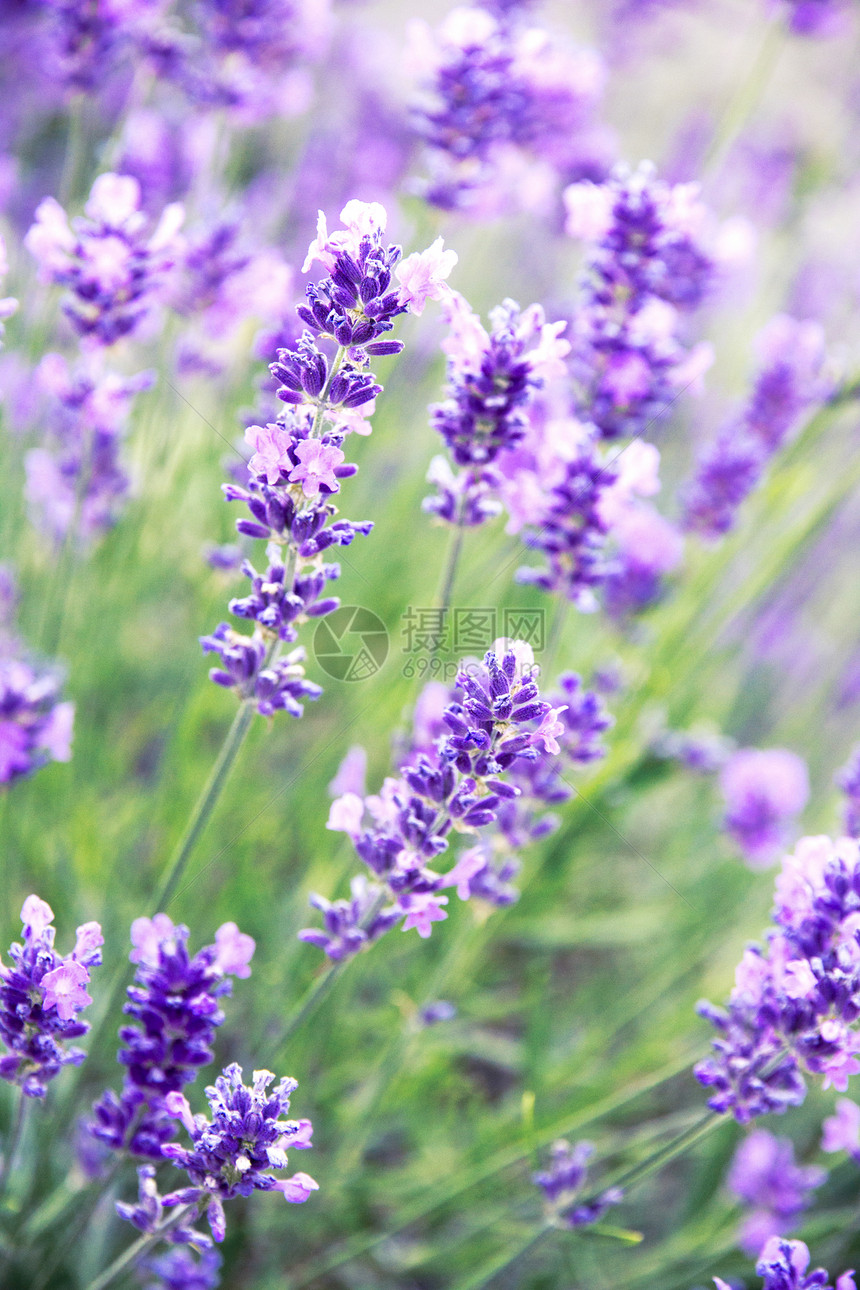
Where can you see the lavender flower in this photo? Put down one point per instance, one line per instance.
(764, 1176)
(232, 1154)
(35, 727)
(465, 781)
(764, 791)
(563, 1182)
(41, 993)
(174, 1004)
(783, 1266)
(113, 269)
(501, 108)
(492, 378)
(178, 1269)
(812, 17)
(647, 262)
(792, 380)
(298, 461)
(85, 41)
(793, 1008)
(78, 478)
(841, 1132)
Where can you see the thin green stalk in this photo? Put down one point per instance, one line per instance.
(75, 1225)
(140, 1247)
(436, 1197)
(488, 1274)
(74, 154)
(678, 1145)
(745, 99)
(449, 575)
(12, 1146)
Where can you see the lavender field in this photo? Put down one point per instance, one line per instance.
(429, 647)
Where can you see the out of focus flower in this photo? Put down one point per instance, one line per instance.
(502, 110)
(41, 994)
(841, 1132)
(76, 480)
(764, 1176)
(764, 791)
(848, 780)
(35, 727)
(8, 304)
(113, 266)
(563, 1181)
(783, 1266)
(792, 379)
(812, 17)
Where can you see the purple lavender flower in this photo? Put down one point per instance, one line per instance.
(78, 477)
(563, 1182)
(501, 109)
(41, 993)
(178, 1269)
(35, 727)
(174, 1004)
(841, 1132)
(462, 782)
(700, 750)
(812, 17)
(764, 1176)
(792, 379)
(793, 1007)
(492, 378)
(764, 791)
(783, 1266)
(298, 462)
(647, 262)
(83, 42)
(113, 268)
(232, 1154)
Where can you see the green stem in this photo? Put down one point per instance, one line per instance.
(678, 1145)
(74, 150)
(75, 1224)
(12, 1146)
(140, 1247)
(744, 100)
(450, 573)
(488, 1274)
(323, 398)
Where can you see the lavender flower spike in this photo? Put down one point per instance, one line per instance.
(297, 463)
(562, 1184)
(462, 782)
(783, 1266)
(113, 268)
(793, 1007)
(764, 1176)
(764, 791)
(175, 1010)
(233, 1153)
(34, 726)
(41, 994)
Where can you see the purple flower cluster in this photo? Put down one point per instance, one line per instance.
(492, 378)
(562, 1183)
(41, 994)
(841, 1132)
(792, 379)
(796, 1000)
(783, 1266)
(648, 261)
(764, 791)
(232, 1154)
(113, 267)
(77, 481)
(80, 42)
(503, 110)
(764, 1176)
(178, 1269)
(298, 461)
(174, 1004)
(35, 727)
(463, 780)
